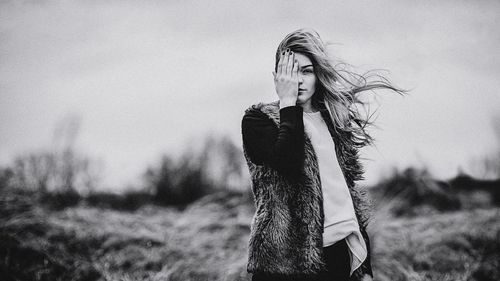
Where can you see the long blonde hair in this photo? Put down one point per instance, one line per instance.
(337, 89)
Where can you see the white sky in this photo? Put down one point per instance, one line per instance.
(146, 76)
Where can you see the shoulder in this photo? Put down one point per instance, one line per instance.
(262, 108)
(260, 112)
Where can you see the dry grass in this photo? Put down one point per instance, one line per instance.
(208, 241)
(463, 245)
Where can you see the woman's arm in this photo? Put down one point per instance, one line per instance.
(281, 148)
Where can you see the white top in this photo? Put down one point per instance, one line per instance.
(340, 218)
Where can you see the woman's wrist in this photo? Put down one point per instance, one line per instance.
(287, 102)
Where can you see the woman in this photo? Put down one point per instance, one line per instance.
(302, 153)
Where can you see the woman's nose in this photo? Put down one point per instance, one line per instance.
(301, 79)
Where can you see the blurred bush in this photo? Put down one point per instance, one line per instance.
(476, 191)
(222, 163)
(59, 174)
(216, 165)
(60, 199)
(6, 175)
(413, 192)
(130, 200)
(176, 183)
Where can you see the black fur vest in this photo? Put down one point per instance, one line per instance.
(286, 234)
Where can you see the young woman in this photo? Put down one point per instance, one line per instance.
(302, 153)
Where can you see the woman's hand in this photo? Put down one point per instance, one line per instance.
(286, 80)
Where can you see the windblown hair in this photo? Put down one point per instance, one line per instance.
(337, 89)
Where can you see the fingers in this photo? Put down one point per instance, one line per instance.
(286, 65)
(281, 63)
(289, 67)
(295, 70)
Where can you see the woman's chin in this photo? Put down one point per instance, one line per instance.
(302, 99)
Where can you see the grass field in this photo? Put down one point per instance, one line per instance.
(208, 240)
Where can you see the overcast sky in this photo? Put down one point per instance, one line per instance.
(146, 76)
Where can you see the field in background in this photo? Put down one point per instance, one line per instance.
(208, 240)
(190, 220)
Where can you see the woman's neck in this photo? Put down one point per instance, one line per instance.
(308, 107)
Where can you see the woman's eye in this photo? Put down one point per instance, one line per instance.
(307, 71)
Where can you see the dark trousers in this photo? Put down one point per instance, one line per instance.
(338, 266)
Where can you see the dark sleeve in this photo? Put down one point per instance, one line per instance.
(367, 264)
(281, 148)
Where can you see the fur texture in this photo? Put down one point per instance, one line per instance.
(286, 234)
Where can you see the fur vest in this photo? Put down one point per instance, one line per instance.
(286, 235)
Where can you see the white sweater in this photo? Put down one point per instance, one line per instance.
(340, 219)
